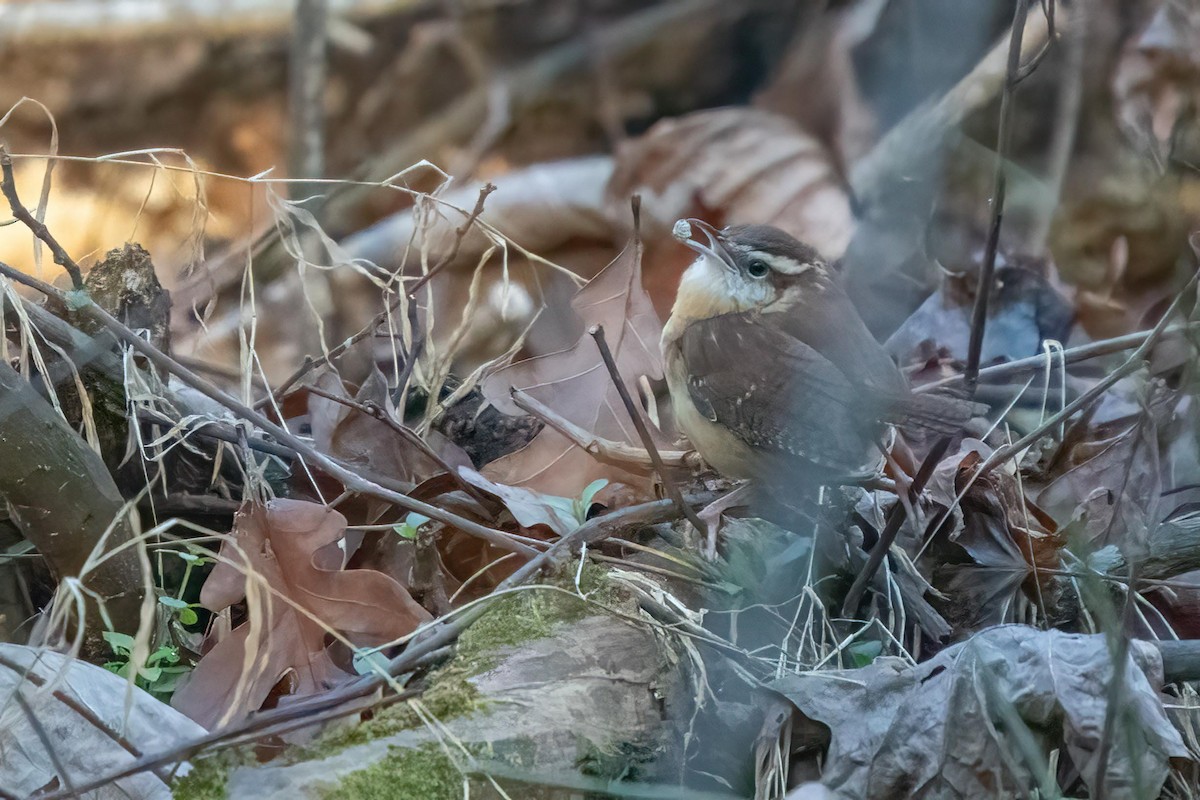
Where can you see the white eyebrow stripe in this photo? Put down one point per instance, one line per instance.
(785, 265)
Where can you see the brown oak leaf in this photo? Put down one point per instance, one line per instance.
(283, 560)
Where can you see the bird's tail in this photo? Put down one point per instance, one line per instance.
(936, 413)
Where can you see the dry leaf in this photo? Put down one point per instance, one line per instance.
(1009, 541)
(1154, 83)
(285, 562)
(529, 508)
(741, 165)
(575, 384)
(1024, 310)
(1116, 492)
(928, 731)
(361, 439)
(56, 686)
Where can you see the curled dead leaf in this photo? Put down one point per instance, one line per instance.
(923, 731)
(741, 166)
(359, 438)
(283, 560)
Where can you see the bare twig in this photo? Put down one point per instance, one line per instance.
(373, 410)
(1074, 355)
(987, 270)
(1066, 119)
(306, 89)
(915, 138)
(618, 454)
(352, 480)
(1051, 425)
(635, 414)
(9, 186)
(277, 720)
(219, 370)
(47, 744)
(1031, 66)
(82, 709)
(895, 519)
(1118, 641)
(1131, 365)
(437, 637)
(218, 431)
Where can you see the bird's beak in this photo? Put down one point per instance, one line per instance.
(715, 247)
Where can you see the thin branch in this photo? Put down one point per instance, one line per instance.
(9, 186)
(80, 708)
(459, 234)
(1131, 365)
(274, 721)
(1118, 641)
(597, 333)
(1074, 355)
(895, 520)
(307, 59)
(1000, 186)
(1051, 425)
(618, 454)
(437, 637)
(915, 138)
(44, 738)
(217, 431)
(1051, 36)
(374, 410)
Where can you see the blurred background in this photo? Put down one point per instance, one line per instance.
(867, 128)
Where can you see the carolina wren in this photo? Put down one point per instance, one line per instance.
(773, 374)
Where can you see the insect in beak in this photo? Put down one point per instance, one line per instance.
(715, 247)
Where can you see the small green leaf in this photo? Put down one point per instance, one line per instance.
(363, 659)
(166, 653)
(408, 528)
(579, 508)
(191, 558)
(863, 653)
(590, 491)
(187, 616)
(121, 643)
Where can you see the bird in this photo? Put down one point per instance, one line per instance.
(772, 373)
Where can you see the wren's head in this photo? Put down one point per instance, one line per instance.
(744, 268)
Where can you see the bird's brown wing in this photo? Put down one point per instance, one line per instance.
(779, 395)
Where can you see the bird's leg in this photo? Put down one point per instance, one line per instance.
(710, 515)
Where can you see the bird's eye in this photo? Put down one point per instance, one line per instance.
(757, 268)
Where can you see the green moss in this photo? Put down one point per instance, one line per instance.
(621, 761)
(206, 781)
(449, 695)
(531, 614)
(425, 772)
(520, 752)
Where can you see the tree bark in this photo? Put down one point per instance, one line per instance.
(63, 500)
